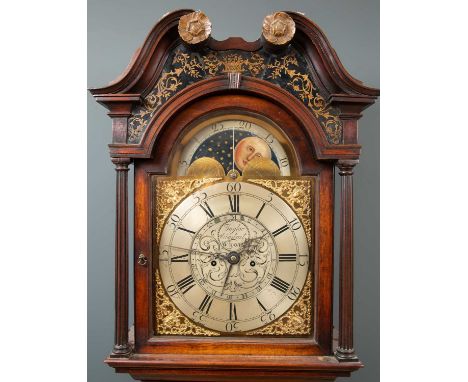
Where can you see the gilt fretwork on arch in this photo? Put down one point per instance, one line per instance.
(287, 70)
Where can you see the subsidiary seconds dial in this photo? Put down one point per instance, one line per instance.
(233, 256)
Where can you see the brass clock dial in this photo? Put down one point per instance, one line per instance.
(233, 256)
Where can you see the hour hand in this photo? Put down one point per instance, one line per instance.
(248, 242)
(195, 251)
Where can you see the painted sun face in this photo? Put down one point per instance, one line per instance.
(248, 149)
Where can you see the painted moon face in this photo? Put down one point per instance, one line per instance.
(250, 148)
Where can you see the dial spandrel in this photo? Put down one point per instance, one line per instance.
(233, 256)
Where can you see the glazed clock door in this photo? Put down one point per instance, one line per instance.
(235, 237)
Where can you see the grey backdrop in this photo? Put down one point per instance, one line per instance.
(115, 29)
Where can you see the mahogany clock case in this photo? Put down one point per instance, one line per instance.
(307, 164)
(322, 223)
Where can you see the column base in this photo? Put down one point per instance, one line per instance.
(346, 355)
(121, 351)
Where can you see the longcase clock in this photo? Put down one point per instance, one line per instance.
(234, 146)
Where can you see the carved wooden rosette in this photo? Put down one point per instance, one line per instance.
(121, 345)
(194, 28)
(345, 349)
(278, 30)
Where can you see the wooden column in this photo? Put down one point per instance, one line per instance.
(345, 349)
(121, 345)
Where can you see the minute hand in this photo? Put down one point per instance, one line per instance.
(194, 250)
(247, 242)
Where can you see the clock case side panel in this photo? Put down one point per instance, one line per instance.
(145, 341)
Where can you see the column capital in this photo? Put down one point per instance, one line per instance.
(121, 164)
(346, 166)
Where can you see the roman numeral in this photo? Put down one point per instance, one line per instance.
(205, 207)
(260, 211)
(186, 230)
(279, 284)
(206, 304)
(234, 202)
(280, 230)
(181, 259)
(287, 257)
(232, 311)
(186, 284)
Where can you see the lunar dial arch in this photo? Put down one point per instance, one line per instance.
(234, 141)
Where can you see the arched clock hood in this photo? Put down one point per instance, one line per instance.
(305, 75)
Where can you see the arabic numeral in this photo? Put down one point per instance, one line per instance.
(198, 316)
(171, 290)
(284, 162)
(245, 125)
(233, 187)
(269, 139)
(294, 293)
(164, 256)
(302, 263)
(231, 326)
(295, 224)
(200, 197)
(268, 317)
(217, 127)
(174, 221)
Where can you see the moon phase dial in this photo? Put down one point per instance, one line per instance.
(233, 142)
(233, 256)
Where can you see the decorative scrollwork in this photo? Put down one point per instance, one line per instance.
(168, 84)
(170, 321)
(185, 67)
(298, 194)
(297, 320)
(169, 192)
(304, 88)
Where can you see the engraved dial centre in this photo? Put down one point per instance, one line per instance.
(232, 254)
